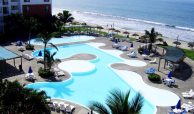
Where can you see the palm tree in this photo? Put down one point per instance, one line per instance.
(177, 41)
(65, 17)
(30, 24)
(191, 45)
(15, 99)
(45, 37)
(118, 103)
(50, 58)
(152, 35)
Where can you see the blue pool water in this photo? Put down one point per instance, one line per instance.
(63, 40)
(94, 86)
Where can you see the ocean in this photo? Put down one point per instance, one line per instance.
(172, 18)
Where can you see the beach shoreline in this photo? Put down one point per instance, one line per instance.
(169, 40)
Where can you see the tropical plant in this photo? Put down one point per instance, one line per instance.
(191, 45)
(65, 17)
(45, 37)
(118, 103)
(30, 24)
(154, 77)
(152, 35)
(15, 99)
(50, 58)
(45, 73)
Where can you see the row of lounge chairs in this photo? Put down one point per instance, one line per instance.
(120, 47)
(182, 109)
(61, 106)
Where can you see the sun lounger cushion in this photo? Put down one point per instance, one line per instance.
(27, 56)
(21, 48)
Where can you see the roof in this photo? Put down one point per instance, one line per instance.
(173, 54)
(6, 54)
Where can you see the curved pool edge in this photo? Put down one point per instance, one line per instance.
(170, 93)
(89, 38)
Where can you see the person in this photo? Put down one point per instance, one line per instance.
(127, 36)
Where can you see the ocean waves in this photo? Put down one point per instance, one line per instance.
(135, 25)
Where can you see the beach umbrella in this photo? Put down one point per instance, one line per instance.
(135, 34)
(178, 105)
(99, 27)
(145, 51)
(30, 70)
(40, 53)
(170, 75)
(150, 70)
(125, 32)
(131, 44)
(117, 31)
(177, 43)
(111, 29)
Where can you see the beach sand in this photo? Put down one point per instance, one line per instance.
(170, 41)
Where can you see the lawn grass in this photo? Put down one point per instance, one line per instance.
(189, 53)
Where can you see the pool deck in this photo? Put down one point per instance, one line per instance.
(184, 79)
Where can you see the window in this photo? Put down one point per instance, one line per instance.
(26, 0)
(14, 0)
(47, 8)
(46, 0)
(14, 7)
(5, 2)
(5, 10)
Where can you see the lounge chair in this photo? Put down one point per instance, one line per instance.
(190, 95)
(124, 48)
(21, 48)
(153, 61)
(187, 92)
(188, 107)
(115, 45)
(133, 54)
(62, 106)
(30, 76)
(40, 59)
(56, 105)
(58, 72)
(70, 108)
(27, 57)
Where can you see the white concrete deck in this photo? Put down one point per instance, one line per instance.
(156, 96)
(77, 66)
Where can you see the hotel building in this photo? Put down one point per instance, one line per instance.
(27, 7)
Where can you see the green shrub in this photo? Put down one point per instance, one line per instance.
(56, 34)
(29, 47)
(45, 73)
(154, 77)
(140, 50)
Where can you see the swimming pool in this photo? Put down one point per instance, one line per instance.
(71, 39)
(94, 86)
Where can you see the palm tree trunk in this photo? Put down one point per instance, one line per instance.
(29, 35)
(45, 56)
